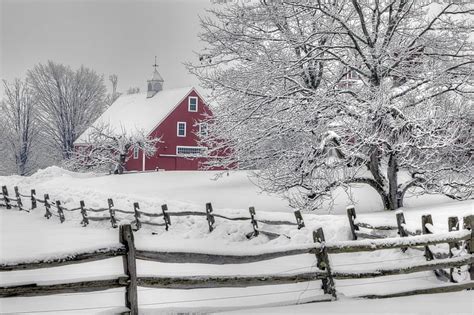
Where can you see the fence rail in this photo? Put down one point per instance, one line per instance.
(57, 209)
(427, 228)
(460, 239)
(324, 271)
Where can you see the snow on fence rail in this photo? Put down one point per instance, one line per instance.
(55, 208)
(426, 228)
(130, 280)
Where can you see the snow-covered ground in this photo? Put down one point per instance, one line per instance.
(184, 190)
(27, 235)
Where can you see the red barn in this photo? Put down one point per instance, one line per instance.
(175, 115)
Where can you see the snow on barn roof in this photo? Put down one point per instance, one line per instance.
(134, 112)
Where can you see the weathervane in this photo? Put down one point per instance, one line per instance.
(155, 65)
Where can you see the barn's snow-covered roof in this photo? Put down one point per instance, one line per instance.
(134, 112)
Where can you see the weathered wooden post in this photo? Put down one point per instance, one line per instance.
(166, 216)
(253, 221)
(60, 211)
(47, 206)
(5, 197)
(468, 224)
(210, 217)
(299, 219)
(129, 268)
(453, 225)
(426, 219)
(113, 220)
(85, 219)
(323, 263)
(136, 207)
(401, 226)
(351, 214)
(33, 199)
(18, 198)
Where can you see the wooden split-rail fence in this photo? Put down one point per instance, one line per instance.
(55, 208)
(430, 253)
(131, 279)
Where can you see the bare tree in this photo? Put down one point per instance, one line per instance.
(109, 149)
(327, 94)
(68, 102)
(19, 127)
(113, 97)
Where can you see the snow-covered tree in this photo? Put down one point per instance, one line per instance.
(109, 149)
(327, 94)
(19, 128)
(68, 102)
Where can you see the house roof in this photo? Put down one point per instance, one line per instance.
(135, 112)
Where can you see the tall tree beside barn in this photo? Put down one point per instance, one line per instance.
(19, 129)
(323, 94)
(68, 102)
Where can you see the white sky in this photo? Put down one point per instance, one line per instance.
(109, 36)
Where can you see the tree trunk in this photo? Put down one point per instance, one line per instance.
(374, 166)
(392, 175)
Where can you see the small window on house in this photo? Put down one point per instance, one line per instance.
(203, 129)
(192, 104)
(135, 153)
(181, 130)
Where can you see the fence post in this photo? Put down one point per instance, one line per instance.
(210, 217)
(60, 211)
(401, 226)
(113, 221)
(468, 224)
(323, 263)
(166, 216)
(5, 197)
(351, 214)
(426, 219)
(85, 219)
(18, 198)
(453, 225)
(129, 268)
(299, 219)
(136, 206)
(253, 221)
(47, 205)
(33, 199)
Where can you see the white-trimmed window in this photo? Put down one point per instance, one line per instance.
(192, 104)
(190, 151)
(135, 153)
(202, 129)
(181, 129)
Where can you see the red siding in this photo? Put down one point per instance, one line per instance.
(165, 157)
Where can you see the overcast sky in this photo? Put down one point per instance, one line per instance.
(109, 36)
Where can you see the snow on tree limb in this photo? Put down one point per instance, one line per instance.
(108, 148)
(392, 79)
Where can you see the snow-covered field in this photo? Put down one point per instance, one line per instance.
(27, 235)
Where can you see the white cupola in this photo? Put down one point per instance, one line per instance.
(155, 84)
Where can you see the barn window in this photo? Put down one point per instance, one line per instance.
(203, 129)
(181, 130)
(192, 104)
(193, 151)
(135, 153)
